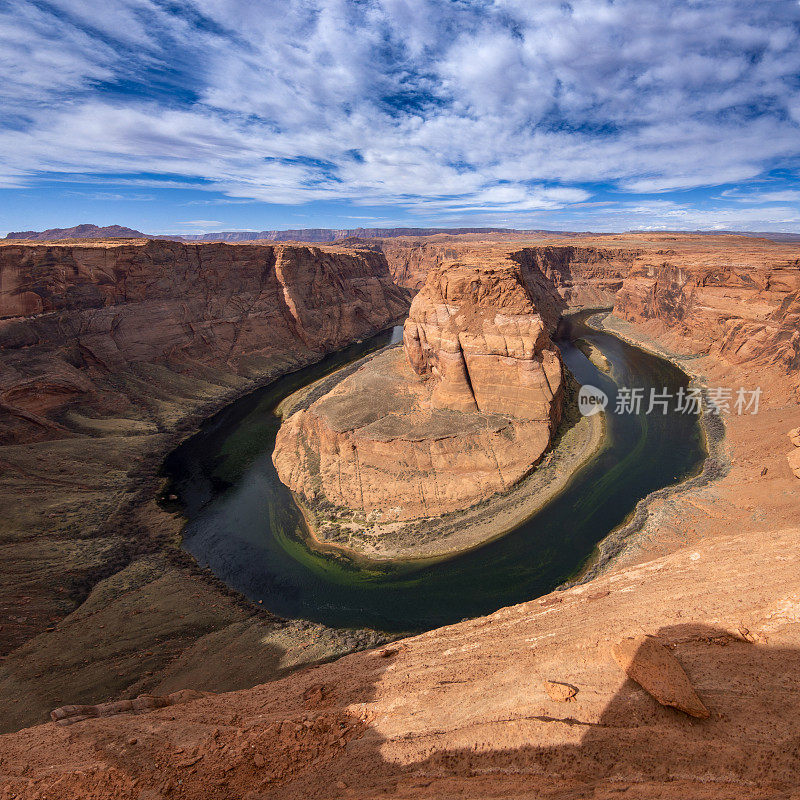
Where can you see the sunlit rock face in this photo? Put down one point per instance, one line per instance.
(462, 411)
(480, 336)
(74, 318)
(742, 316)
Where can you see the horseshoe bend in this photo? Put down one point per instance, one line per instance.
(679, 636)
(463, 410)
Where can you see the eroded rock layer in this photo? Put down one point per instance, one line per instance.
(106, 350)
(583, 275)
(740, 313)
(99, 606)
(463, 411)
(71, 316)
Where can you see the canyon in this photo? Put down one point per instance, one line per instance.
(462, 411)
(109, 353)
(112, 352)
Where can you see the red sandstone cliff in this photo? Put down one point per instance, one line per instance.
(738, 314)
(463, 411)
(107, 352)
(585, 276)
(73, 316)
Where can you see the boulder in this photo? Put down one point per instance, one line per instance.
(646, 660)
(794, 461)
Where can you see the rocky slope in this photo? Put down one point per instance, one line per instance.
(107, 352)
(472, 710)
(463, 411)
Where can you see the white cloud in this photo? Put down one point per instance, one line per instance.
(502, 106)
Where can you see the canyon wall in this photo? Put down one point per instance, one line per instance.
(742, 315)
(109, 355)
(585, 276)
(73, 318)
(464, 410)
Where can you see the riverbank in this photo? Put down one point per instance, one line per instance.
(631, 533)
(744, 484)
(143, 614)
(577, 441)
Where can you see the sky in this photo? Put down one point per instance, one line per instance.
(172, 116)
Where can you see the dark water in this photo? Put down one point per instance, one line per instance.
(243, 523)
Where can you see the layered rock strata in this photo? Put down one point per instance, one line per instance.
(738, 313)
(463, 411)
(585, 276)
(71, 316)
(108, 350)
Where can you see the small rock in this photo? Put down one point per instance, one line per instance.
(794, 461)
(794, 437)
(562, 692)
(647, 661)
(744, 632)
(341, 785)
(258, 760)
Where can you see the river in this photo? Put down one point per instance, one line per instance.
(244, 525)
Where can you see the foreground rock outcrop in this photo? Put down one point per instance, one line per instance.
(464, 711)
(464, 410)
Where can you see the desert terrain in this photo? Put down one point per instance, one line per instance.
(113, 351)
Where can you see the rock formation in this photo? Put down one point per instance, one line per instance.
(71, 316)
(112, 352)
(585, 276)
(109, 354)
(742, 314)
(647, 660)
(69, 715)
(463, 411)
(793, 457)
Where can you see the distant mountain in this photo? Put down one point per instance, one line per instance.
(80, 232)
(324, 235)
(320, 235)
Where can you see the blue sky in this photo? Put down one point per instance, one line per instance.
(172, 116)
